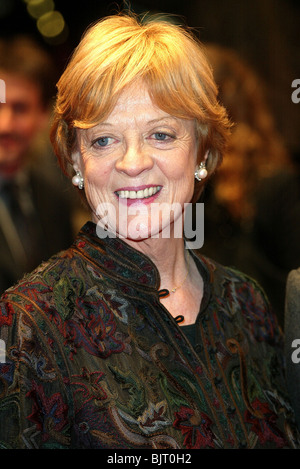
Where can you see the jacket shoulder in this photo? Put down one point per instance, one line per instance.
(36, 290)
(244, 300)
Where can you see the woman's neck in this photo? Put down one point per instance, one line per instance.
(169, 256)
(177, 271)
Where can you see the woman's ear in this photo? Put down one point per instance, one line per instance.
(206, 156)
(77, 162)
(203, 160)
(77, 179)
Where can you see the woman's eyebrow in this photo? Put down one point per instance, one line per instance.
(162, 119)
(150, 122)
(105, 124)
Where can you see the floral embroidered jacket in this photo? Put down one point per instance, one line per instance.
(93, 359)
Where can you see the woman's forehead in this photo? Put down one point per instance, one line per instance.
(134, 95)
(134, 104)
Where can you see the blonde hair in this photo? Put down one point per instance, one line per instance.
(117, 51)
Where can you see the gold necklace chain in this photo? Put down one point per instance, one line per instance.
(188, 270)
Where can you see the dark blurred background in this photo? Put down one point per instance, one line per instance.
(264, 32)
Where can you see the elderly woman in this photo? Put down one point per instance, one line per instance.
(128, 339)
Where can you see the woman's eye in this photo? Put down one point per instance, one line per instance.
(102, 141)
(162, 137)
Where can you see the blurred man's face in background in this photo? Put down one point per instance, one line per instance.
(22, 116)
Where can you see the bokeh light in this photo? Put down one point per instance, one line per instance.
(53, 27)
(51, 24)
(37, 8)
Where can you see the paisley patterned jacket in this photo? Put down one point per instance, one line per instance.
(93, 359)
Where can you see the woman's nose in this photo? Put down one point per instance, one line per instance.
(135, 160)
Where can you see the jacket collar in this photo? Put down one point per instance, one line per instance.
(115, 258)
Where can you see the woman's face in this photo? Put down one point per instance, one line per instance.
(138, 167)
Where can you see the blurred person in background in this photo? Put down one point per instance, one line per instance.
(33, 199)
(253, 201)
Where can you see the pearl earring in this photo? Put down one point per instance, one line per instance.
(201, 172)
(77, 180)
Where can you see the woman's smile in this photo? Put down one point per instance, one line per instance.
(145, 194)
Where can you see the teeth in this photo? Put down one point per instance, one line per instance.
(141, 194)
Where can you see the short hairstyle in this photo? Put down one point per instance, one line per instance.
(24, 57)
(117, 51)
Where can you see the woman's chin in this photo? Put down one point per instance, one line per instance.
(138, 232)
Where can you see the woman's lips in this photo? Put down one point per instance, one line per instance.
(141, 194)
